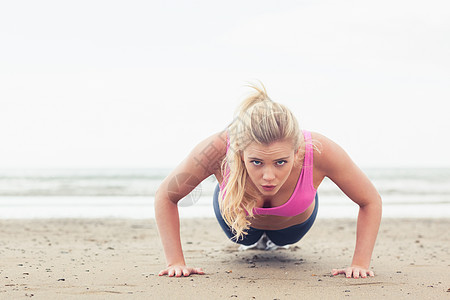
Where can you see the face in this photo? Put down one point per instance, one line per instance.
(269, 166)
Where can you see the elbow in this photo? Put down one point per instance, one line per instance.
(377, 206)
(379, 201)
(160, 196)
(163, 198)
(159, 199)
(157, 193)
(376, 200)
(374, 205)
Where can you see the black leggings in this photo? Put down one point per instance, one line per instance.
(279, 237)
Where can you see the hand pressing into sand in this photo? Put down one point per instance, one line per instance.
(178, 270)
(353, 271)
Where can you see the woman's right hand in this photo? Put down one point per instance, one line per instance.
(178, 270)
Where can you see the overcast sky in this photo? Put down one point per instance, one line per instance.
(139, 83)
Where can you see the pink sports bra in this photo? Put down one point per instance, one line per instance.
(304, 193)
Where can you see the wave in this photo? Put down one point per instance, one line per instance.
(406, 183)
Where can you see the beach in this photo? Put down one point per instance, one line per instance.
(121, 258)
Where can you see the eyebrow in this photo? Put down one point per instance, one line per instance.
(273, 160)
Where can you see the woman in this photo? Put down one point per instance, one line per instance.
(268, 173)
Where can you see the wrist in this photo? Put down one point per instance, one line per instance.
(176, 263)
(360, 265)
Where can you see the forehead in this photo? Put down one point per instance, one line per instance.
(273, 150)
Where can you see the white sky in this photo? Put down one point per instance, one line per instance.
(139, 83)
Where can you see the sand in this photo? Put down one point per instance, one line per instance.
(114, 258)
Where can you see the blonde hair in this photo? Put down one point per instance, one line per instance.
(261, 120)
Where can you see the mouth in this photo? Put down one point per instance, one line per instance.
(268, 187)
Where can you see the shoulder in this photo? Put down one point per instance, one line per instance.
(203, 160)
(333, 162)
(216, 143)
(328, 155)
(212, 147)
(206, 157)
(320, 140)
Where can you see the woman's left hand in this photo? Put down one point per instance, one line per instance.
(353, 271)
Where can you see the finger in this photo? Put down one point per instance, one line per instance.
(171, 272)
(356, 272)
(371, 274)
(198, 271)
(338, 271)
(163, 272)
(177, 272)
(186, 272)
(348, 272)
(364, 273)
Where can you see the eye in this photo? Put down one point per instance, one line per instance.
(255, 162)
(281, 162)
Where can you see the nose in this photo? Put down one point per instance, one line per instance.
(268, 175)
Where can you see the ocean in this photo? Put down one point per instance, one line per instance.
(129, 193)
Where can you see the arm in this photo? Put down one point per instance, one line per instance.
(334, 163)
(181, 181)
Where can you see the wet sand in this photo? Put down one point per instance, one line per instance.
(118, 259)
